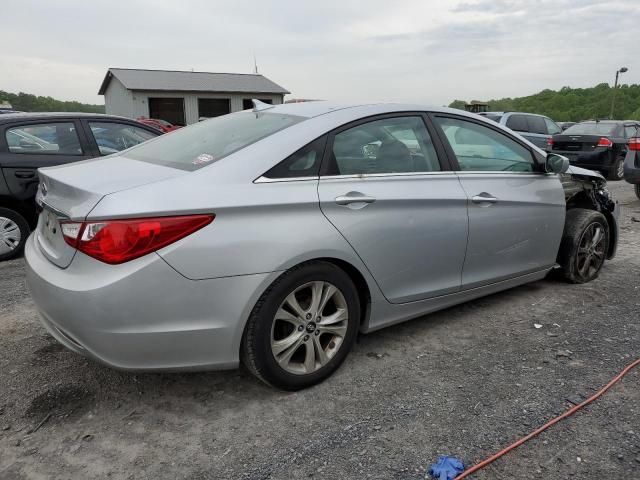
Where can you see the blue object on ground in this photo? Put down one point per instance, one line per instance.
(446, 468)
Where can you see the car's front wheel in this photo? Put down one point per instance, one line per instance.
(14, 231)
(584, 245)
(303, 326)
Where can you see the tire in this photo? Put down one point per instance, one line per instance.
(14, 231)
(637, 188)
(616, 171)
(266, 334)
(579, 259)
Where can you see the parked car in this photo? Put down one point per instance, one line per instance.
(275, 235)
(161, 125)
(632, 163)
(565, 125)
(538, 129)
(596, 145)
(32, 140)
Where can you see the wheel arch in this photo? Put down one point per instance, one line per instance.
(583, 200)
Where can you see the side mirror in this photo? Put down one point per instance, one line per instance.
(556, 163)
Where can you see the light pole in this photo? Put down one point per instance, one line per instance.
(615, 87)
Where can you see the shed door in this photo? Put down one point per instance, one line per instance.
(169, 109)
(213, 107)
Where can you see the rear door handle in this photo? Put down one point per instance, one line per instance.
(354, 197)
(24, 174)
(484, 197)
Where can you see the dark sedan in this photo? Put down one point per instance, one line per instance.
(596, 145)
(32, 140)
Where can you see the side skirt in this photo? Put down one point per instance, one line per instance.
(384, 315)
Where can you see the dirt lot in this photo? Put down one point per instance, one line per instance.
(463, 382)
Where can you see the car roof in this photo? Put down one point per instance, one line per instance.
(9, 117)
(315, 108)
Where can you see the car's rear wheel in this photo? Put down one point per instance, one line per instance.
(637, 187)
(616, 171)
(303, 326)
(14, 231)
(584, 245)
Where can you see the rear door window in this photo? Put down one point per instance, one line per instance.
(56, 138)
(389, 145)
(480, 148)
(536, 124)
(631, 131)
(518, 123)
(113, 137)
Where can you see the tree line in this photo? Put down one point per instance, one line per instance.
(573, 104)
(25, 102)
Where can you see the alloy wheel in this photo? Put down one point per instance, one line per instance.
(10, 235)
(309, 327)
(591, 252)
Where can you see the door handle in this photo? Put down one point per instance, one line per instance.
(484, 197)
(24, 174)
(354, 197)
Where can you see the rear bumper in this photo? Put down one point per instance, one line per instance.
(143, 315)
(596, 160)
(632, 167)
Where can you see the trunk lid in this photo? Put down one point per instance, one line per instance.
(70, 192)
(576, 143)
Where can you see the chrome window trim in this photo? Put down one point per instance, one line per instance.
(397, 174)
(490, 172)
(263, 179)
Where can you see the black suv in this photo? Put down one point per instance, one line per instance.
(32, 140)
(597, 145)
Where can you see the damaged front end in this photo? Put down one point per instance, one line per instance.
(588, 189)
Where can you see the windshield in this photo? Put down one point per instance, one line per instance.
(207, 142)
(592, 128)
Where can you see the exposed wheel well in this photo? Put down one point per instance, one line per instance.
(583, 200)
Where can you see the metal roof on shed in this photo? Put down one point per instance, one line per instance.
(181, 81)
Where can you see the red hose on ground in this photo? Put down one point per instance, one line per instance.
(566, 414)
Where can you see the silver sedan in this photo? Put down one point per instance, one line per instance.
(273, 236)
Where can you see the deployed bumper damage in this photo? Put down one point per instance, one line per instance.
(588, 189)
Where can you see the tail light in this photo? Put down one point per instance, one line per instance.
(605, 142)
(550, 142)
(119, 241)
(634, 144)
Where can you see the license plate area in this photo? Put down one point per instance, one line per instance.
(50, 227)
(50, 240)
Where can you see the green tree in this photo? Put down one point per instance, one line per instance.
(30, 103)
(574, 104)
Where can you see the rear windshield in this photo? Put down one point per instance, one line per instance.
(593, 128)
(207, 142)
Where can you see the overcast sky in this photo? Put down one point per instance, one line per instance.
(422, 51)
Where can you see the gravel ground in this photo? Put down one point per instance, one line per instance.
(465, 381)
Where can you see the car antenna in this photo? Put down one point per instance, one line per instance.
(259, 106)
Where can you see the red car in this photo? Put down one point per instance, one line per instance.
(161, 125)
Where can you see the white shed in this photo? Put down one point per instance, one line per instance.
(182, 98)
